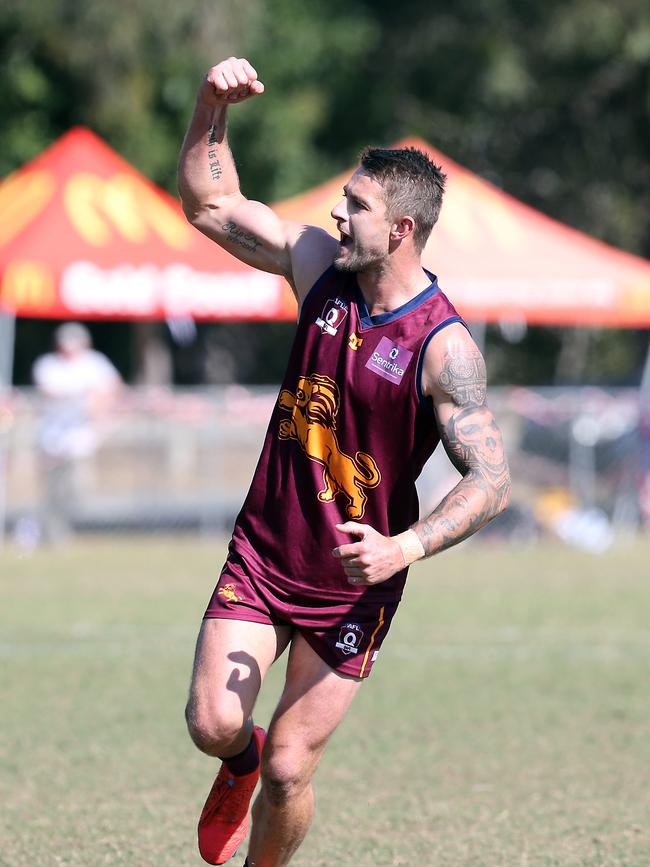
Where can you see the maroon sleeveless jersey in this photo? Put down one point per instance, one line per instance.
(348, 437)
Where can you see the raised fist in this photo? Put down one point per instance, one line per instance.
(230, 82)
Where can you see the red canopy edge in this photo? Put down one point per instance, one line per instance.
(83, 235)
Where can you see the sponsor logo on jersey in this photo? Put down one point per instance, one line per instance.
(354, 342)
(333, 316)
(350, 638)
(314, 407)
(389, 360)
(228, 592)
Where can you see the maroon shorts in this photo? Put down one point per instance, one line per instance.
(347, 635)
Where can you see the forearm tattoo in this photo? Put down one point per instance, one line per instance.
(239, 236)
(473, 442)
(213, 161)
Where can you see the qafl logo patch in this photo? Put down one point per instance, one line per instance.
(350, 638)
(333, 316)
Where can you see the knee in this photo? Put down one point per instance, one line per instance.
(285, 776)
(213, 728)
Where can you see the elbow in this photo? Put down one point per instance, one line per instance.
(204, 214)
(194, 211)
(206, 218)
(189, 203)
(189, 211)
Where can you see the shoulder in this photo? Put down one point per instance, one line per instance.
(312, 251)
(44, 364)
(99, 364)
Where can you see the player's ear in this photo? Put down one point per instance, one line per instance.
(402, 228)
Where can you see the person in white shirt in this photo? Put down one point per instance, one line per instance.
(78, 387)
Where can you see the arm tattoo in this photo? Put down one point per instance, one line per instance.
(463, 377)
(245, 239)
(473, 442)
(215, 165)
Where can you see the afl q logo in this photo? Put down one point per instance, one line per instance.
(350, 637)
(331, 318)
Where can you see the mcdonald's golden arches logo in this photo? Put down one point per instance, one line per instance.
(27, 286)
(23, 196)
(122, 205)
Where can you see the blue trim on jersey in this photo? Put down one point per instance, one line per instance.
(368, 321)
(418, 375)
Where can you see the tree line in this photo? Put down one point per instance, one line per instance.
(550, 101)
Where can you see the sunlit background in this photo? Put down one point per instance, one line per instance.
(538, 112)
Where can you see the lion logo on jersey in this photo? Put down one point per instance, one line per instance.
(314, 407)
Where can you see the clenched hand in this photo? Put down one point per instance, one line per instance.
(230, 82)
(370, 560)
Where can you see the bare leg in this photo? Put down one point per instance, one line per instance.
(314, 701)
(232, 658)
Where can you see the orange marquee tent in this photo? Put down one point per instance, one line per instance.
(84, 236)
(500, 260)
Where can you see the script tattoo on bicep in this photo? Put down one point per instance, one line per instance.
(239, 236)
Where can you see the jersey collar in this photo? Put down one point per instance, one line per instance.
(368, 321)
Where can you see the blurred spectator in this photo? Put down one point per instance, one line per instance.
(78, 386)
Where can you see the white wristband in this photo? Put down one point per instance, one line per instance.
(412, 548)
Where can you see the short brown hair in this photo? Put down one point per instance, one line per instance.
(413, 185)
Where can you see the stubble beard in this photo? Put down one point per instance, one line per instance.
(357, 261)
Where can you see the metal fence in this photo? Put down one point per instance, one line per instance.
(183, 460)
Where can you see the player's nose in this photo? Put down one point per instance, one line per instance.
(338, 212)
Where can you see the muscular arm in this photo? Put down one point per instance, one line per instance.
(454, 376)
(213, 202)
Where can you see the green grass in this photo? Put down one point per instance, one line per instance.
(506, 723)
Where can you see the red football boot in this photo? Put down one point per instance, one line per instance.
(224, 819)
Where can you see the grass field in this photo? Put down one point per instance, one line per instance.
(506, 723)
